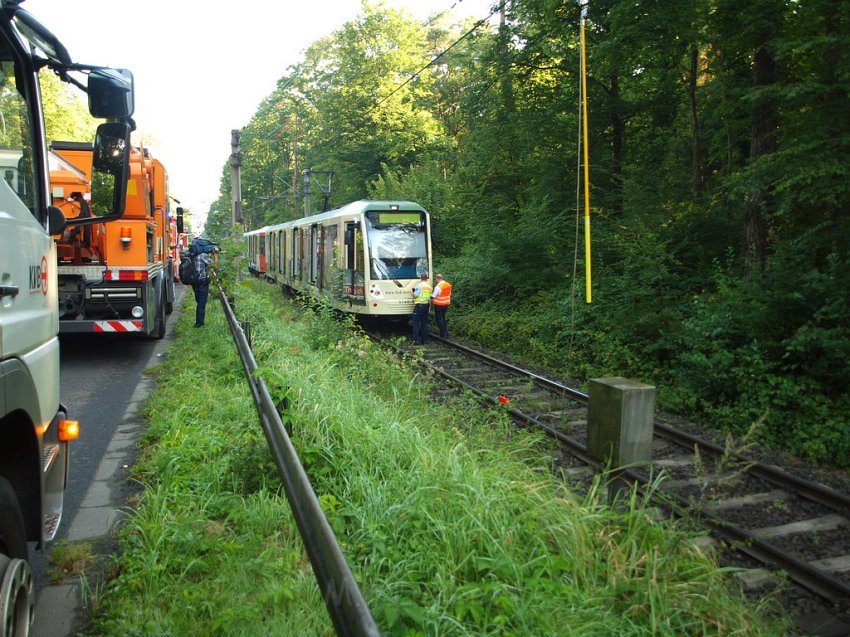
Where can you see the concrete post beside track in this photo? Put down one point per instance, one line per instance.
(620, 418)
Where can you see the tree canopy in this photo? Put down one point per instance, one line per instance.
(719, 187)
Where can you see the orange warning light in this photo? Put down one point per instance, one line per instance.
(69, 430)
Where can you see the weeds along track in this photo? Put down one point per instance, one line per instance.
(788, 534)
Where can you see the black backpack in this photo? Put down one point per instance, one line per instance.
(204, 246)
(188, 272)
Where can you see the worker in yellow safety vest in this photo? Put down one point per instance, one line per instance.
(442, 299)
(421, 307)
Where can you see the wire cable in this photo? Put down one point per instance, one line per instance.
(437, 57)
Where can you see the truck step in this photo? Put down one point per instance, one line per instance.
(51, 454)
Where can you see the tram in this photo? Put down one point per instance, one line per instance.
(365, 257)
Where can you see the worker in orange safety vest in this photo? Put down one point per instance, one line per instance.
(442, 298)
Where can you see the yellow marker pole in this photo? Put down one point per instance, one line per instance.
(588, 294)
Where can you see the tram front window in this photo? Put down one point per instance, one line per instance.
(397, 244)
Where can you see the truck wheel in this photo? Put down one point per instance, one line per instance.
(169, 294)
(158, 330)
(160, 319)
(17, 597)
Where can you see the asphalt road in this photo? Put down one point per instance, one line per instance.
(102, 386)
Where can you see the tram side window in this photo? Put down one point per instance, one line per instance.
(16, 139)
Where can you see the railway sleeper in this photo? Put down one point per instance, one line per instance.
(767, 497)
(820, 524)
(838, 565)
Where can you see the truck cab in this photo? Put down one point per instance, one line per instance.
(34, 428)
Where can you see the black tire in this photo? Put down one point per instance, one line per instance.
(160, 321)
(169, 290)
(161, 317)
(13, 537)
(17, 594)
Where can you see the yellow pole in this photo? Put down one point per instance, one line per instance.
(588, 294)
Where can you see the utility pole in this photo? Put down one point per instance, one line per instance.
(305, 189)
(586, 154)
(306, 179)
(235, 179)
(295, 170)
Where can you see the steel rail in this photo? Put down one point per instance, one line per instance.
(811, 490)
(346, 606)
(537, 378)
(806, 488)
(803, 573)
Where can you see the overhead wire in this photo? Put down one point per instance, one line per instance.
(478, 24)
(474, 28)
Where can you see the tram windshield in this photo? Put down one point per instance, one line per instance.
(397, 244)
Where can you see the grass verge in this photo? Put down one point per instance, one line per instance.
(450, 518)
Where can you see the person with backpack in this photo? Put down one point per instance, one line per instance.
(194, 271)
(201, 287)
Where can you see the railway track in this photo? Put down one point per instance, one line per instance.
(782, 530)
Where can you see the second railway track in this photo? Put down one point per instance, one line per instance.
(783, 529)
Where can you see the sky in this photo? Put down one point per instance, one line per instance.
(202, 67)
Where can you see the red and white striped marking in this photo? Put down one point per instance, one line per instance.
(118, 326)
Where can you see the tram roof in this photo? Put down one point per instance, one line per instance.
(353, 208)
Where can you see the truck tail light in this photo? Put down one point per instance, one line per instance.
(69, 430)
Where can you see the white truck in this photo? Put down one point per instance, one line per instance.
(34, 427)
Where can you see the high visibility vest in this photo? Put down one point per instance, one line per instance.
(424, 294)
(444, 293)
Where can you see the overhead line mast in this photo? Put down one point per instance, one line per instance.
(588, 290)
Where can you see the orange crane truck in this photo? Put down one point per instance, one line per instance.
(114, 277)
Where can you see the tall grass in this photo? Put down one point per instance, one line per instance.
(450, 518)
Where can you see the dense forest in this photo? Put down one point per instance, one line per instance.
(719, 189)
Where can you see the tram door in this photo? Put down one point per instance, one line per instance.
(353, 285)
(293, 266)
(315, 248)
(272, 260)
(329, 234)
(304, 255)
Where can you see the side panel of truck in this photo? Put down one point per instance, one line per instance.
(33, 463)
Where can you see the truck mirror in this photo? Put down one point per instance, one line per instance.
(180, 221)
(56, 222)
(111, 93)
(110, 171)
(111, 148)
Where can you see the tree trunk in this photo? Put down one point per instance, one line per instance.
(696, 141)
(764, 125)
(618, 133)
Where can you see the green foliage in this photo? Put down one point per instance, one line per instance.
(719, 187)
(66, 113)
(448, 516)
(230, 257)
